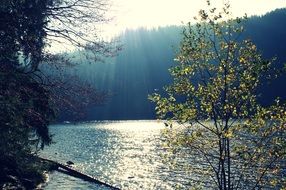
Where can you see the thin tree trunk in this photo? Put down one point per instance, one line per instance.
(228, 163)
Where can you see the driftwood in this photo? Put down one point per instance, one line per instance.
(72, 172)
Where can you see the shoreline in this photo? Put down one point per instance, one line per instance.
(46, 175)
(31, 176)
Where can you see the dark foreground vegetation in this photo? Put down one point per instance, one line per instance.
(30, 98)
(27, 173)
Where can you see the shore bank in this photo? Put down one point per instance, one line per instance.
(29, 173)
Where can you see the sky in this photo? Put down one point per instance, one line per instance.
(131, 14)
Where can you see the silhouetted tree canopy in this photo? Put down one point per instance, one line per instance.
(29, 94)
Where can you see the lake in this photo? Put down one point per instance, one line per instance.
(125, 154)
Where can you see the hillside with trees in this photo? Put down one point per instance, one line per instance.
(147, 54)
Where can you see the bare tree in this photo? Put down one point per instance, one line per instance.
(77, 22)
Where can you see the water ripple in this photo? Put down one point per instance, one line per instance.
(122, 153)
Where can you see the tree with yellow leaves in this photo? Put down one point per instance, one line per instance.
(229, 140)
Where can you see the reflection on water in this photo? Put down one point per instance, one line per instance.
(122, 153)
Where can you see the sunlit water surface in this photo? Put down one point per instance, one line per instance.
(125, 154)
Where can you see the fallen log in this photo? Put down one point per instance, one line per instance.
(72, 172)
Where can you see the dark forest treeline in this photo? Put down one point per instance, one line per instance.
(142, 66)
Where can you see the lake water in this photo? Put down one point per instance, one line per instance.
(125, 154)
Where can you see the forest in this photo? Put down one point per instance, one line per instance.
(146, 56)
(199, 105)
